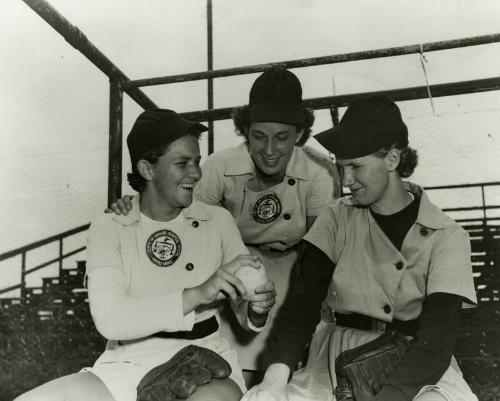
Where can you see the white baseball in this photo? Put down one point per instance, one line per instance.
(252, 278)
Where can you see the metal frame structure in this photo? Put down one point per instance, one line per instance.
(120, 83)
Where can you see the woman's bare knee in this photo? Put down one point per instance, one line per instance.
(75, 387)
(431, 395)
(217, 390)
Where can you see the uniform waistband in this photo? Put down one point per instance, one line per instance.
(200, 330)
(358, 321)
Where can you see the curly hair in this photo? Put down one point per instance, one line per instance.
(241, 119)
(135, 179)
(407, 162)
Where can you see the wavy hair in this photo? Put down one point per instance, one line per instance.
(241, 119)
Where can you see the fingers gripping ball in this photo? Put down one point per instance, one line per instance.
(251, 277)
(179, 377)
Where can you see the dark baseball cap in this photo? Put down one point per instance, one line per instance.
(158, 127)
(368, 125)
(276, 96)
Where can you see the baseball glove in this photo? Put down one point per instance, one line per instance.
(178, 378)
(360, 371)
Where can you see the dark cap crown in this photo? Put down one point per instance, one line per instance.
(158, 127)
(368, 125)
(276, 96)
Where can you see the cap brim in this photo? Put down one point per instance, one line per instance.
(326, 138)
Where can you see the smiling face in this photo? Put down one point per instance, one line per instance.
(271, 145)
(174, 175)
(367, 178)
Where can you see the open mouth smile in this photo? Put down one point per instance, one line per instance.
(189, 187)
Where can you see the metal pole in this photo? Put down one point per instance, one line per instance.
(115, 142)
(79, 41)
(309, 62)
(210, 81)
(484, 203)
(61, 254)
(23, 275)
(419, 92)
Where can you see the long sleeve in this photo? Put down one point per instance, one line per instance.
(301, 310)
(116, 314)
(430, 356)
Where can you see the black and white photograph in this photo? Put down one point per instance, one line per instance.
(225, 200)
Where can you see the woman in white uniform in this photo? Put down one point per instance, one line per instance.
(157, 277)
(274, 187)
(396, 263)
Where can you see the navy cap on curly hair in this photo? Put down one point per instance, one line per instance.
(368, 125)
(276, 96)
(158, 127)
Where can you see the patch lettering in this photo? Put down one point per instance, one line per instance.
(163, 248)
(267, 208)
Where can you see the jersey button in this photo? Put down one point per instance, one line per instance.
(189, 267)
(399, 265)
(291, 181)
(424, 232)
(387, 309)
(286, 216)
(195, 224)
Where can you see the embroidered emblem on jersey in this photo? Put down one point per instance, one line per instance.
(266, 209)
(163, 248)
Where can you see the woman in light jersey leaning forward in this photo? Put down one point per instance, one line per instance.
(156, 277)
(396, 262)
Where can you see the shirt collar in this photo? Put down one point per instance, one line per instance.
(196, 211)
(429, 215)
(241, 163)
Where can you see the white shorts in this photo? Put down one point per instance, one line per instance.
(122, 368)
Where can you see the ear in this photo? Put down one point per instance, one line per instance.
(392, 159)
(300, 133)
(145, 169)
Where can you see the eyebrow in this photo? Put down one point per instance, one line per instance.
(182, 158)
(264, 133)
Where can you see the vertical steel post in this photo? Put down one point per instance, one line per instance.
(210, 66)
(61, 250)
(115, 141)
(23, 276)
(484, 203)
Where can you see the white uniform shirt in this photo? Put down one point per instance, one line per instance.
(137, 270)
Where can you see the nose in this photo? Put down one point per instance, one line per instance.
(195, 172)
(270, 145)
(347, 178)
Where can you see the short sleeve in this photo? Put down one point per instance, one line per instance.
(450, 269)
(323, 232)
(209, 188)
(324, 187)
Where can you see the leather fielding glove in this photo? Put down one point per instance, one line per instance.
(361, 371)
(178, 378)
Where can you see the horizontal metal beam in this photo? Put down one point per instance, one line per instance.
(308, 62)
(418, 92)
(79, 41)
(45, 241)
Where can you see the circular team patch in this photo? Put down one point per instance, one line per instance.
(163, 248)
(266, 209)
